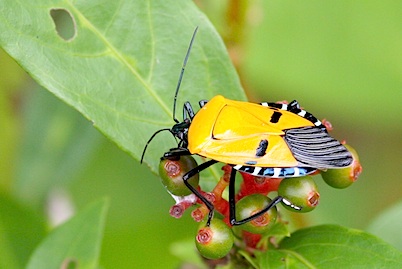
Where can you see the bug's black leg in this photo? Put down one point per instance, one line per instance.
(273, 203)
(193, 172)
(202, 103)
(188, 110)
(232, 203)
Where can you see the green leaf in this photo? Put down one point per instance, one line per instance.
(331, 246)
(20, 231)
(121, 65)
(279, 229)
(387, 226)
(76, 242)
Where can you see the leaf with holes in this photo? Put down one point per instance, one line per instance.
(75, 244)
(118, 62)
(331, 246)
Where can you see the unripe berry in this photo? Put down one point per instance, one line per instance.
(214, 241)
(251, 205)
(172, 172)
(343, 177)
(299, 194)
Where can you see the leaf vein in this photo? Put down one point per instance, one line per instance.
(121, 58)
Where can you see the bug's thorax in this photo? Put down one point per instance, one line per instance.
(202, 125)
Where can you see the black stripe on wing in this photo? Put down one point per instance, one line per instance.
(294, 107)
(313, 147)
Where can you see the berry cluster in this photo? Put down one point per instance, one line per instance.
(299, 194)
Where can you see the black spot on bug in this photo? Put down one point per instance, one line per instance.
(275, 117)
(262, 148)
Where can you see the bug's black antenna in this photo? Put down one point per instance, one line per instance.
(182, 73)
(149, 141)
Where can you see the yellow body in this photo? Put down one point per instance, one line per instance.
(230, 132)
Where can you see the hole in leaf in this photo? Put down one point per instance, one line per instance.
(69, 263)
(64, 22)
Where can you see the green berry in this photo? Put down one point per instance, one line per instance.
(172, 172)
(299, 194)
(251, 205)
(214, 241)
(343, 177)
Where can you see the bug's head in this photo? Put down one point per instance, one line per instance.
(179, 130)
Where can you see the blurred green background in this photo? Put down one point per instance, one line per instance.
(341, 60)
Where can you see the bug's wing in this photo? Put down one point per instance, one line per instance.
(242, 150)
(314, 147)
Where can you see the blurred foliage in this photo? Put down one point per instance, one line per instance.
(341, 60)
(81, 237)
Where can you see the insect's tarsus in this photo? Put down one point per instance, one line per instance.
(182, 73)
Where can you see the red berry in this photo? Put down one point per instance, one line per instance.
(251, 205)
(343, 177)
(299, 194)
(214, 241)
(172, 172)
